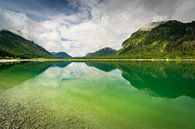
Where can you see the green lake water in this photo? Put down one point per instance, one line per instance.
(63, 95)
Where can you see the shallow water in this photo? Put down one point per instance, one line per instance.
(63, 95)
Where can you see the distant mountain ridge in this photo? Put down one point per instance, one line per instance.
(15, 46)
(169, 39)
(102, 52)
(61, 55)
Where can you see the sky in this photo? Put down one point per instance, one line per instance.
(82, 26)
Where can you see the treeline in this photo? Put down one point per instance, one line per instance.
(6, 54)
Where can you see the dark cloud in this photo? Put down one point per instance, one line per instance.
(161, 7)
(40, 8)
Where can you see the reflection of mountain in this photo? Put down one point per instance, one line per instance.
(12, 74)
(106, 67)
(61, 64)
(163, 79)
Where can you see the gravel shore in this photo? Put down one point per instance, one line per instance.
(16, 115)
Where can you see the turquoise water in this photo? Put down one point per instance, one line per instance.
(64, 95)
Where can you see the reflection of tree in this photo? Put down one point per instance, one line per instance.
(163, 79)
(12, 74)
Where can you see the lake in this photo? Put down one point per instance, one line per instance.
(65, 95)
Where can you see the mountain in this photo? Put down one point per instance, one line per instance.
(102, 52)
(15, 46)
(169, 39)
(61, 55)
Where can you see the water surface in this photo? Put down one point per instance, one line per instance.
(64, 95)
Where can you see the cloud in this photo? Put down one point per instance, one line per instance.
(93, 24)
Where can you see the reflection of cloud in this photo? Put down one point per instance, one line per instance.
(73, 74)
